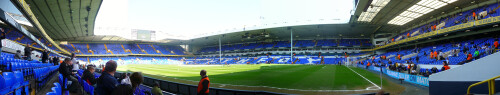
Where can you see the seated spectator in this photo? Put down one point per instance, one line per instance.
(130, 89)
(469, 57)
(18, 55)
(156, 89)
(434, 70)
(476, 53)
(496, 43)
(445, 66)
(107, 83)
(426, 74)
(125, 79)
(65, 70)
(88, 75)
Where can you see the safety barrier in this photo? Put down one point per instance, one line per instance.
(187, 89)
(491, 85)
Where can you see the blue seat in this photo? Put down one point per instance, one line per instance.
(20, 80)
(10, 80)
(51, 93)
(4, 88)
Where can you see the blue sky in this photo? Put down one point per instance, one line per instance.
(186, 19)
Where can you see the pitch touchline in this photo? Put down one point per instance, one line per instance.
(364, 78)
(223, 85)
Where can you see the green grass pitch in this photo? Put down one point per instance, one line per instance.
(303, 77)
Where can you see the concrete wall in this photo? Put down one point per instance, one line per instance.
(456, 81)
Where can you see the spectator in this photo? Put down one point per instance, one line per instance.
(495, 44)
(45, 56)
(476, 53)
(435, 54)
(2, 36)
(136, 79)
(125, 79)
(156, 89)
(426, 74)
(469, 57)
(434, 70)
(106, 83)
(64, 69)
(204, 83)
(445, 66)
(18, 55)
(55, 61)
(130, 89)
(75, 66)
(88, 75)
(27, 52)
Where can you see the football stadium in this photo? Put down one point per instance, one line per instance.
(249, 47)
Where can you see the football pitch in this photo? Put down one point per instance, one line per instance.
(271, 77)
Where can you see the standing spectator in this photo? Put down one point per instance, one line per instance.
(65, 70)
(88, 75)
(156, 89)
(435, 54)
(76, 65)
(2, 36)
(18, 55)
(45, 56)
(55, 60)
(106, 83)
(27, 52)
(204, 83)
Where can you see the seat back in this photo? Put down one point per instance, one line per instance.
(9, 78)
(19, 76)
(2, 82)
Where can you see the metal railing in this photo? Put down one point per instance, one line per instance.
(491, 85)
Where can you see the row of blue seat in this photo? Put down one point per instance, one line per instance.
(57, 90)
(13, 82)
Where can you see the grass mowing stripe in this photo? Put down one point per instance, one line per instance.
(300, 77)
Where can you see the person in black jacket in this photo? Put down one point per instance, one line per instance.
(2, 36)
(65, 70)
(27, 52)
(55, 60)
(88, 75)
(45, 56)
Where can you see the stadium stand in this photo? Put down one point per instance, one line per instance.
(100, 49)
(286, 44)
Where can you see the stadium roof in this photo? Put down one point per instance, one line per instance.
(63, 19)
(394, 8)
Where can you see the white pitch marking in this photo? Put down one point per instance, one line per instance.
(365, 79)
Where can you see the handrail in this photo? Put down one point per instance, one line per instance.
(491, 85)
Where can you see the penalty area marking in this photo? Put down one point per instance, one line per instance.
(369, 88)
